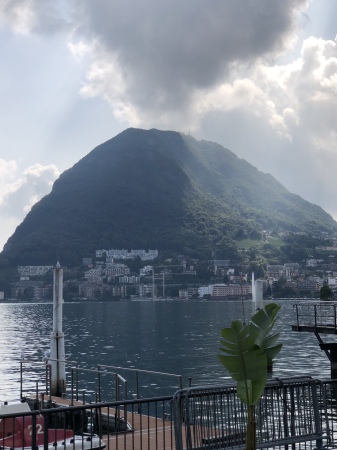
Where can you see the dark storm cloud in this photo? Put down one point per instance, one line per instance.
(163, 50)
(168, 48)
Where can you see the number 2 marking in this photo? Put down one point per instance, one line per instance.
(38, 429)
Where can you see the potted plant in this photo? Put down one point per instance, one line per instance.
(247, 351)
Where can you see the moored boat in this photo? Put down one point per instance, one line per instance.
(22, 432)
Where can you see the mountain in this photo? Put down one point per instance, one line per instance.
(157, 189)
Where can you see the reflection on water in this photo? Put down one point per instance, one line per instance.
(173, 337)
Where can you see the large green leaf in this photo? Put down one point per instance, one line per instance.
(263, 321)
(247, 350)
(271, 352)
(251, 392)
(246, 364)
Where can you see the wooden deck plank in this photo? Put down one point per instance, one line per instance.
(149, 433)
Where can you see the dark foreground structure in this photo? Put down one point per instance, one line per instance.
(292, 413)
(320, 319)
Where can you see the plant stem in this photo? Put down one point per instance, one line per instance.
(251, 429)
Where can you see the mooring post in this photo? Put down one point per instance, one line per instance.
(57, 356)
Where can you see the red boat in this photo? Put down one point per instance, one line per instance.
(16, 433)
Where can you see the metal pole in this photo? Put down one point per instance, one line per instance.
(21, 393)
(126, 412)
(37, 395)
(46, 433)
(77, 384)
(72, 387)
(137, 391)
(163, 284)
(117, 399)
(99, 382)
(298, 322)
(57, 337)
(137, 385)
(116, 388)
(49, 376)
(34, 432)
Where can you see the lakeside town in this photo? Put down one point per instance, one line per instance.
(118, 274)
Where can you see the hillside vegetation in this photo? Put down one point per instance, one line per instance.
(161, 190)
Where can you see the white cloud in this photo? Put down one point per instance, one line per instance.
(19, 15)
(150, 61)
(287, 116)
(46, 17)
(210, 68)
(20, 190)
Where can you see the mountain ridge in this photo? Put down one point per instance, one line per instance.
(157, 189)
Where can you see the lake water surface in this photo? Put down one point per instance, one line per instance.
(167, 336)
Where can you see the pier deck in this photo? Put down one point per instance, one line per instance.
(320, 319)
(312, 328)
(148, 432)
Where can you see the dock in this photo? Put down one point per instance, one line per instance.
(144, 431)
(320, 319)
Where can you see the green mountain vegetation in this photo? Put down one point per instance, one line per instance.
(164, 190)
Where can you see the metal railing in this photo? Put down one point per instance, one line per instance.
(42, 374)
(144, 423)
(322, 314)
(148, 423)
(115, 388)
(137, 372)
(116, 385)
(297, 412)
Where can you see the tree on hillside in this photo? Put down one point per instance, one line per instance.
(325, 292)
(281, 289)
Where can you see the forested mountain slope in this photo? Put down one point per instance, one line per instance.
(157, 189)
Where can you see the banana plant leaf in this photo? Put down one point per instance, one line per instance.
(247, 350)
(264, 321)
(246, 364)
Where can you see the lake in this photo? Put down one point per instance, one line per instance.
(176, 337)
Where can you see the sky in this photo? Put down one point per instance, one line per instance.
(256, 76)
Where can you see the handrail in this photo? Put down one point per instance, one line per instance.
(99, 371)
(316, 314)
(152, 372)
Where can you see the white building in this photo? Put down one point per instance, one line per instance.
(33, 270)
(146, 290)
(205, 290)
(130, 280)
(93, 275)
(224, 291)
(145, 271)
(125, 254)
